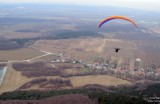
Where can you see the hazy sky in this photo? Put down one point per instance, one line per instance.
(139, 4)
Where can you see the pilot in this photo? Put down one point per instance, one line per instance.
(117, 49)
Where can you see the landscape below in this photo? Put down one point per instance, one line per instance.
(66, 57)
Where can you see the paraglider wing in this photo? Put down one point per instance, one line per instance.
(117, 17)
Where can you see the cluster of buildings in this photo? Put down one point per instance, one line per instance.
(131, 68)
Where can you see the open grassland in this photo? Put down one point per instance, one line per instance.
(20, 30)
(24, 30)
(97, 79)
(12, 80)
(148, 51)
(89, 48)
(73, 82)
(21, 35)
(19, 54)
(155, 28)
(63, 46)
(47, 58)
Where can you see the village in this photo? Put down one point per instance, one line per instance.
(138, 69)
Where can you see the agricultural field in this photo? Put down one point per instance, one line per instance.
(19, 54)
(89, 48)
(43, 76)
(105, 80)
(47, 58)
(13, 80)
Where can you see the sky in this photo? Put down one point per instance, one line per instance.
(137, 4)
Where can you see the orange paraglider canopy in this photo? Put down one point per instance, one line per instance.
(117, 17)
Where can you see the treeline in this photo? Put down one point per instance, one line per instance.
(33, 95)
(2, 65)
(105, 98)
(9, 46)
(25, 41)
(152, 90)
(138, 89)
(62, 99)
(35, 69)
(47, 83)
(102, 96)
(33, 82)
(10, 20)
(71, 34)
(56, 83)
(39, 69)
(27, 30)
